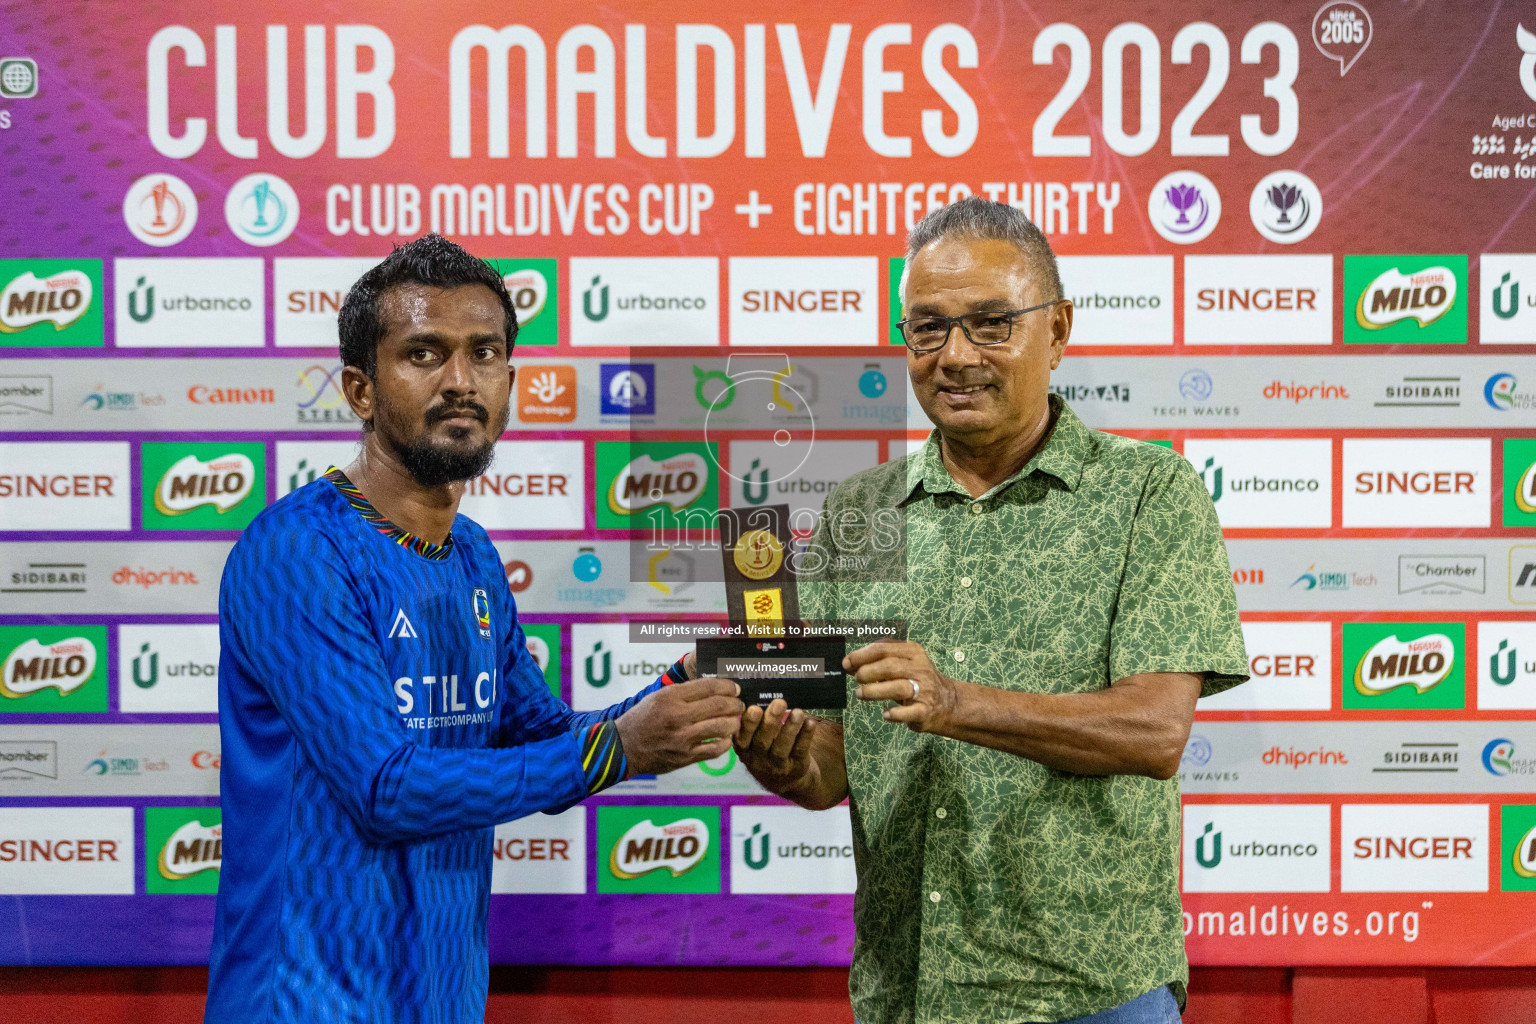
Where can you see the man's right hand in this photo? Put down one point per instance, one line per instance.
(776, 748)
(679, 725)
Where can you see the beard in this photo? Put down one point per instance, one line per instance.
(431, 460)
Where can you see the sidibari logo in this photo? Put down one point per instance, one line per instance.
(59, 299)
(677, 480)
(192, 849)
(190, 483)
(1424, 295)
(1390, 663)
(645, 847)
(64, 665)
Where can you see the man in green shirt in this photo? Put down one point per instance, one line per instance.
(1066, 593)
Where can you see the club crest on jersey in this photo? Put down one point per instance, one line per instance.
(483, 612)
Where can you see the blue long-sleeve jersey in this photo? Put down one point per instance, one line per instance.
(379, 712)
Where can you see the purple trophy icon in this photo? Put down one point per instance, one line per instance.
(1181, 198)
(1283, 196)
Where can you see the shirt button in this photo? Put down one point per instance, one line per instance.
(941, 813)
(934, 897)
(976, 508)
(959, 655)
(965, 581)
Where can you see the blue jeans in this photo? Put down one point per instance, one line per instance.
(1156, 1007)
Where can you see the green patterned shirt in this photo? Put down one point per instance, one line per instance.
(993, 889)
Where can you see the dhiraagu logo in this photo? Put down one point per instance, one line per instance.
(183, 849)
(645, 486)
(651, 849)
(203, 485)
(53, 669)
(1404, 665)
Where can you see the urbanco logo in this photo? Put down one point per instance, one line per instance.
(1508, 299)
(201, 302)
(168, 669)
(1257, 847)
(791, 850)
(1267, 483)
(645, 301)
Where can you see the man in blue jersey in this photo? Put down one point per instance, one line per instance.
(378, 706)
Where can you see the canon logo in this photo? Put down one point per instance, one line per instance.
(1420, 482)
(198, 394)
(206, 760)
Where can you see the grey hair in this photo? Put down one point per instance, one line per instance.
(978, 218)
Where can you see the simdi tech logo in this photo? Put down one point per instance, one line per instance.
(1395, 300)
(53, 669)
(648, 849)
(183, 849)
(533, 286)
(1404, 666)
(654, 484)
(203, 485)
(51, 303)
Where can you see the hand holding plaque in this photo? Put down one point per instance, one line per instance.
(765, 656)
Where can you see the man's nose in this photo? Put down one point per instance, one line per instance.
(458, 376)
(958, 352)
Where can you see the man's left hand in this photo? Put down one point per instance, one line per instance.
(902, 672)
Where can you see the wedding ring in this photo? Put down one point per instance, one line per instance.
(914, 690)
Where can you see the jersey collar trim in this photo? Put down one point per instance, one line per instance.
(376, 519)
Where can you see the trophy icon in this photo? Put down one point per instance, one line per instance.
(1283, 196)
(1182, 198)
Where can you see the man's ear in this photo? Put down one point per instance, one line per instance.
(359, 391)
(1061, 330)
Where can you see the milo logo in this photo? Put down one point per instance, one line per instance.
(59, 299)
(677, 847)
(63, 665)
(1421, 662)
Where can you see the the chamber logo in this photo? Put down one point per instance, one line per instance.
(63, 665)
(222, 482)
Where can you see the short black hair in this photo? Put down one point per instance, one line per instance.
(430, 260)
(979, 218)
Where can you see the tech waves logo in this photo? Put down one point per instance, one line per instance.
(190, 483)
(1424, 295)
(1421, 662)
(63, 665)
(61, 299)
(192, 849)
(677, 846)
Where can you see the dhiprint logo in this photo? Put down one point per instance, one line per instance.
(171, 669)
(1507, 681)
(1404, 666)
(1285, 207)
(190, 302)
(791, 850)
(262, 209)
(1257, 847)
(625, 301)
(160, 209)
(658, 849)
(628, 389)
(1184, 207)
(1508, 298)
(1405, 299)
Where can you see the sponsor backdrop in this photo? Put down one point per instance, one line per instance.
(1302, 246)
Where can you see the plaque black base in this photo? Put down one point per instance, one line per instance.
(817, 683)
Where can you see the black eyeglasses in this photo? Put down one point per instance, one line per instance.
(925, 334)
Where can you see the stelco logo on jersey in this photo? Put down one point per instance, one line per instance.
(50, 302)
(644, 481)
(1404, 666)
(1395, 300)
(49, 670)
(183, 849)
(658, 849)
(203, 485)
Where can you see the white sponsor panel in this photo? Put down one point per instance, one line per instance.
(531, 485)
(791, 850)
(1506, 675)
(1257, 847)
(1290, 667)
(1400, 847)
(804, 300)
(765, 473)
(645, 300)
(542, 853)
(198, 302)
(303, 462)
(64, 485)
(1437, 481)
(607, 668)
(1267, 483)
(307, 294)
(171, 669)
(1258, 300)
(1119, 300)
(66, 850)
(1508, 299)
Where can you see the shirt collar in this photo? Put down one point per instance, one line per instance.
(1061, 456)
